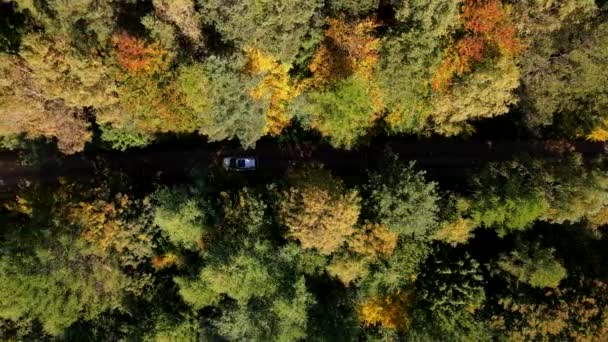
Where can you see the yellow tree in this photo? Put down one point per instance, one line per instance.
(24, 109)
(374, 241)
(318, 211)
(368, 244)
(391, 311)
(275, 85)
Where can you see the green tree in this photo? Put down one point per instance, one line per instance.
(450, 294)
(343, 112)
(397, 271)
(559, 74)
(242, 278)
(65, 257)
(511, 195)
(284, 29)
(534, 265)
(180, 216)
(507, 201)
(573, 84)
(193, 83)
(408, 57)
(166, 329)
(87, 24)
(61, 284)
(259, 294)
(354, 7)
(233, 112)
(285, 319)
(402, 199)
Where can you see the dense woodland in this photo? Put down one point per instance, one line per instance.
(512, 250)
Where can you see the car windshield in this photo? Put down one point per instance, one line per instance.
(240, 163)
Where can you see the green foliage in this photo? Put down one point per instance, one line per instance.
(233, 112)
(10, 142)
(87, 23)
(403, 200)
(512, 206)
(512, 195)
(60, 287)
(160, 32)
(560, 74)
(282, 29)
(64, 260)
(192, 82)
(292, 313)
(450, 292)
(165, 330)
(255, 287)
(123, 138)
(408, 58)
(179, 217)
(583, 92)
(534, 265)
(284, 320)
(354, 7)
(343, 113)
(399, 270)
(241, 279)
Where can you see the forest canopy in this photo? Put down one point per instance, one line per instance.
(121, 73)
(425, 170)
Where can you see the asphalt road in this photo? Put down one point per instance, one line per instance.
(445, 159)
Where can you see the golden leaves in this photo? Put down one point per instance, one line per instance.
(165, 260)
(456, 231)
(374, 240)
(348, 48)
(274, 85)
(135, 56)
(319, 219)
(489, 29)
(390, 312)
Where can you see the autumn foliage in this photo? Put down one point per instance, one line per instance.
(567, 313)
(489, 31)
(105, 225)
(373, 240)
(135, 56)
(390, 312)
(348, 48)
(274, 85)
(165, 260)
(318, 211)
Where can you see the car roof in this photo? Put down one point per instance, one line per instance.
(248, 162)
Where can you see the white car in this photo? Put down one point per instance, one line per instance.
(240, 163)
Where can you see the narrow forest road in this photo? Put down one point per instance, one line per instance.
(445, 159)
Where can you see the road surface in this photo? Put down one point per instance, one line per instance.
(444, 159)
